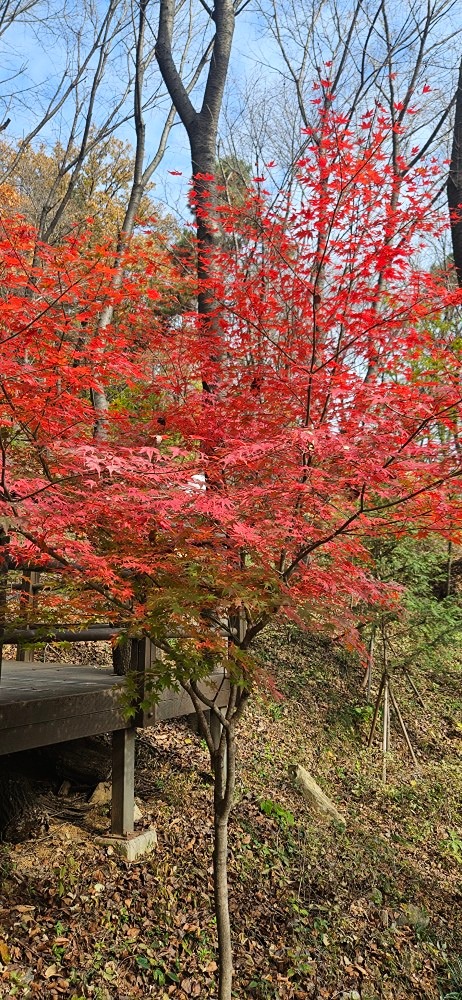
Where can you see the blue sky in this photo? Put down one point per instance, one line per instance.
(37, 68)
(254, 59)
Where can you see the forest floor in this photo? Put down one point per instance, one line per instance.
(372, 911)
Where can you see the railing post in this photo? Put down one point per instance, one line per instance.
(28, 601)
(4, 539)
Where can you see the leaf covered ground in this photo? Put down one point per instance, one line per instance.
(370, 912)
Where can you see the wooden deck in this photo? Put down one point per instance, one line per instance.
(44, 703)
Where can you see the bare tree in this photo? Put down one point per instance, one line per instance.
(400, 56)
(201, 125)
(67, 103)
(104, 68)
(143, 169)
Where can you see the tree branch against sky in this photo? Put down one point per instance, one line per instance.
(404, 56)
(103, 83)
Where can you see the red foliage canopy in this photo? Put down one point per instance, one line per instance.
(333, 419)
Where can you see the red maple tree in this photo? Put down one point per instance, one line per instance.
(204, 513)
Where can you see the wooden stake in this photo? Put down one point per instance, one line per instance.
(367, 680)
(386, 727)
(371, 662)
(415, 690)
(403, 726)
(376, 712)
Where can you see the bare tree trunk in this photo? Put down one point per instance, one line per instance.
(201, 127)
(121, 656)
(454, 186)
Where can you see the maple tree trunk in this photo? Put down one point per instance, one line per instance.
(220, 876)
(224, 773)
(219, 732)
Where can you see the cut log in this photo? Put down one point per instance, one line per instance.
(313, 794)
(84, 762)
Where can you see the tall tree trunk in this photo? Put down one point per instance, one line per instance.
(454, 185)
(201, 126)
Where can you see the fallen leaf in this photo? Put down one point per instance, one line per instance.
(4, 953)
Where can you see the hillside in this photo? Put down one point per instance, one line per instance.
(370, 912)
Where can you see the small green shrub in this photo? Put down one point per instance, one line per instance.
(272, 809)
(452, 845)
(455, 981)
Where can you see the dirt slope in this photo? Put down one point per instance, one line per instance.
(370, 912)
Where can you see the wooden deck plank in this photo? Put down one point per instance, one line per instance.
(38, 681)
(45, 703)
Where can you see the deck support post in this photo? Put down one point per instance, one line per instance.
(123, 781)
